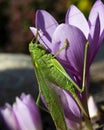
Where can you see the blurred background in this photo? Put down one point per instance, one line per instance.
(17, 16)
(16, 70)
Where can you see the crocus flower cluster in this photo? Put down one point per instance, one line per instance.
(24, 115)
(78, 31)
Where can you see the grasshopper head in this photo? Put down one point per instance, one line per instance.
(36, 50)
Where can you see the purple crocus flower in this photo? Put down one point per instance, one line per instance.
(47, 27)
(77, 30)
(24, 115)
(93, 29)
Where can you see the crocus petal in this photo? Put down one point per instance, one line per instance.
(41, 38)
(9, 117)
(97, 9)
(92, 107)
(25, 116)
(71, 109)
(29, 102)
(75, 17)
(46, 24)
(94, 43)
(96, 35)
(73, 55)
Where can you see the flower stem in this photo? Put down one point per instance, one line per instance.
(85, 112)
(80, 105)
(88, 123)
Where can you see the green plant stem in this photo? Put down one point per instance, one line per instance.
(88, 123)
(85, 112)
(87, 119)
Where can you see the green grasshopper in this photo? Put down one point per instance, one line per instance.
(50, 95)
(49, 72)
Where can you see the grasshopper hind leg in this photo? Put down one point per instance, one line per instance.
(38, 103)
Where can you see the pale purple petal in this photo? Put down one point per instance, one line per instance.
(9, 117)
(41, 38)
(26, 117)
(29, 102)
(71, 109)
(24, 114)
(94, 43)
(96, 35)
(76, 18)
(73, 55)
(92, 107)
(97, 9)
(46, 25)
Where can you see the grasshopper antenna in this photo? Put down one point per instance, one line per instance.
(36, 36)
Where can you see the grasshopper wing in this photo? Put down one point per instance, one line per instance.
(59, 69)
(52, 99)
(64, 81)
